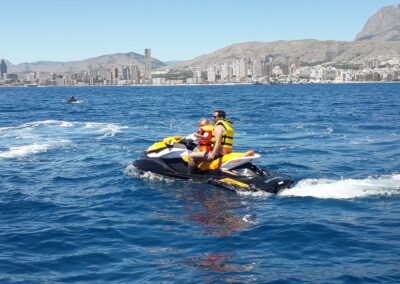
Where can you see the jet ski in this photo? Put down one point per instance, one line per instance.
(72, 100)
(234, 171)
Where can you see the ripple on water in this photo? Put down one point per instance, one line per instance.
(74, 209)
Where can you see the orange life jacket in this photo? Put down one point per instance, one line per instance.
(205, 144)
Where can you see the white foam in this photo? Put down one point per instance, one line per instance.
(346, 188)
(66, 124)
(39, 136)
(107, 129)
(36, 124)
(111, 129)
(258, 194)
(250, 218)
(22, 151)
(133, 171)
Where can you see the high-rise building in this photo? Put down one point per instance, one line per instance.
(116, 73)
(257, 69)
(268, 65)
(243, 69)
(211, 74)
(147, 66)
(297, 63)
(286, 66)
(109, 76)
(3, 68)
(135, 74)
(224, 72)
(126, 73)
(236, 69)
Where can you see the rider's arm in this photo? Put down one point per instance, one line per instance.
(217, 146)
(204, 136)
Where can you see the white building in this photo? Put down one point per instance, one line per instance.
(196, 73)
(158, 81)
(224, 72)
(240, 70)
(211, 74)
(256, 69)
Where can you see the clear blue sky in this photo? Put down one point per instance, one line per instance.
(65, 30)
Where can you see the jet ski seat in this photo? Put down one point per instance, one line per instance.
(228, 161)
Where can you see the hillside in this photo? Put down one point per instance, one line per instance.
(308, 51)
(97, 63)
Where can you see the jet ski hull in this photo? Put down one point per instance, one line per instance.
(247, 177)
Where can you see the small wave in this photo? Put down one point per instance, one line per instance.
(36, 124)
(107, 129)
(22, 151)
(133, 171)
(346, 188)
(251, 219)
(39, 136)
(258, 194)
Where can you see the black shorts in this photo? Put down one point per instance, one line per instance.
(217, 156)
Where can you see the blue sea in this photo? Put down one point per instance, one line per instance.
(73, 209)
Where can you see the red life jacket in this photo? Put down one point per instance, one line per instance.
(205, 144)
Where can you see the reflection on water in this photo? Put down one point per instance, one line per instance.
(221, 263)
(221, 214)
(217, 212)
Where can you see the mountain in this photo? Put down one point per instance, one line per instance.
(308, 51)
(379, 38)
(97, 63)
(383, 25)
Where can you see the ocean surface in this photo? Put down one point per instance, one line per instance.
(73, 209)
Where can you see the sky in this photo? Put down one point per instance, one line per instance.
(69, 30)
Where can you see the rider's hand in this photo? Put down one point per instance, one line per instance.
(210, 157)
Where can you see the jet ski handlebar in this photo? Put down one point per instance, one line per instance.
(189, 143)
(191, 137)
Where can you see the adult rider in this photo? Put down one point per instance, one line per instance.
(222, 141)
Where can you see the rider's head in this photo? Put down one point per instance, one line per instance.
(203, 121)
(219, 114)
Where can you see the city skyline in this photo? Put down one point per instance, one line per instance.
(72, 30)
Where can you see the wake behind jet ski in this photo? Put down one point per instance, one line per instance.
(234, 171)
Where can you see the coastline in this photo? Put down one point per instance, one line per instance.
(199, 85)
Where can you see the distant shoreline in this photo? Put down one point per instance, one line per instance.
(198, 85)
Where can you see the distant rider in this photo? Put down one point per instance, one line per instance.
(72, 100)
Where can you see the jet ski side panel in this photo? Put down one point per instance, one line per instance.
(173, 168)
(247, 177)
(155, 165)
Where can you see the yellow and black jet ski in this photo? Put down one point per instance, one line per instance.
(234, 171)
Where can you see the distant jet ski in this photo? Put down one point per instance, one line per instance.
(234, 171)
(72, 100)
